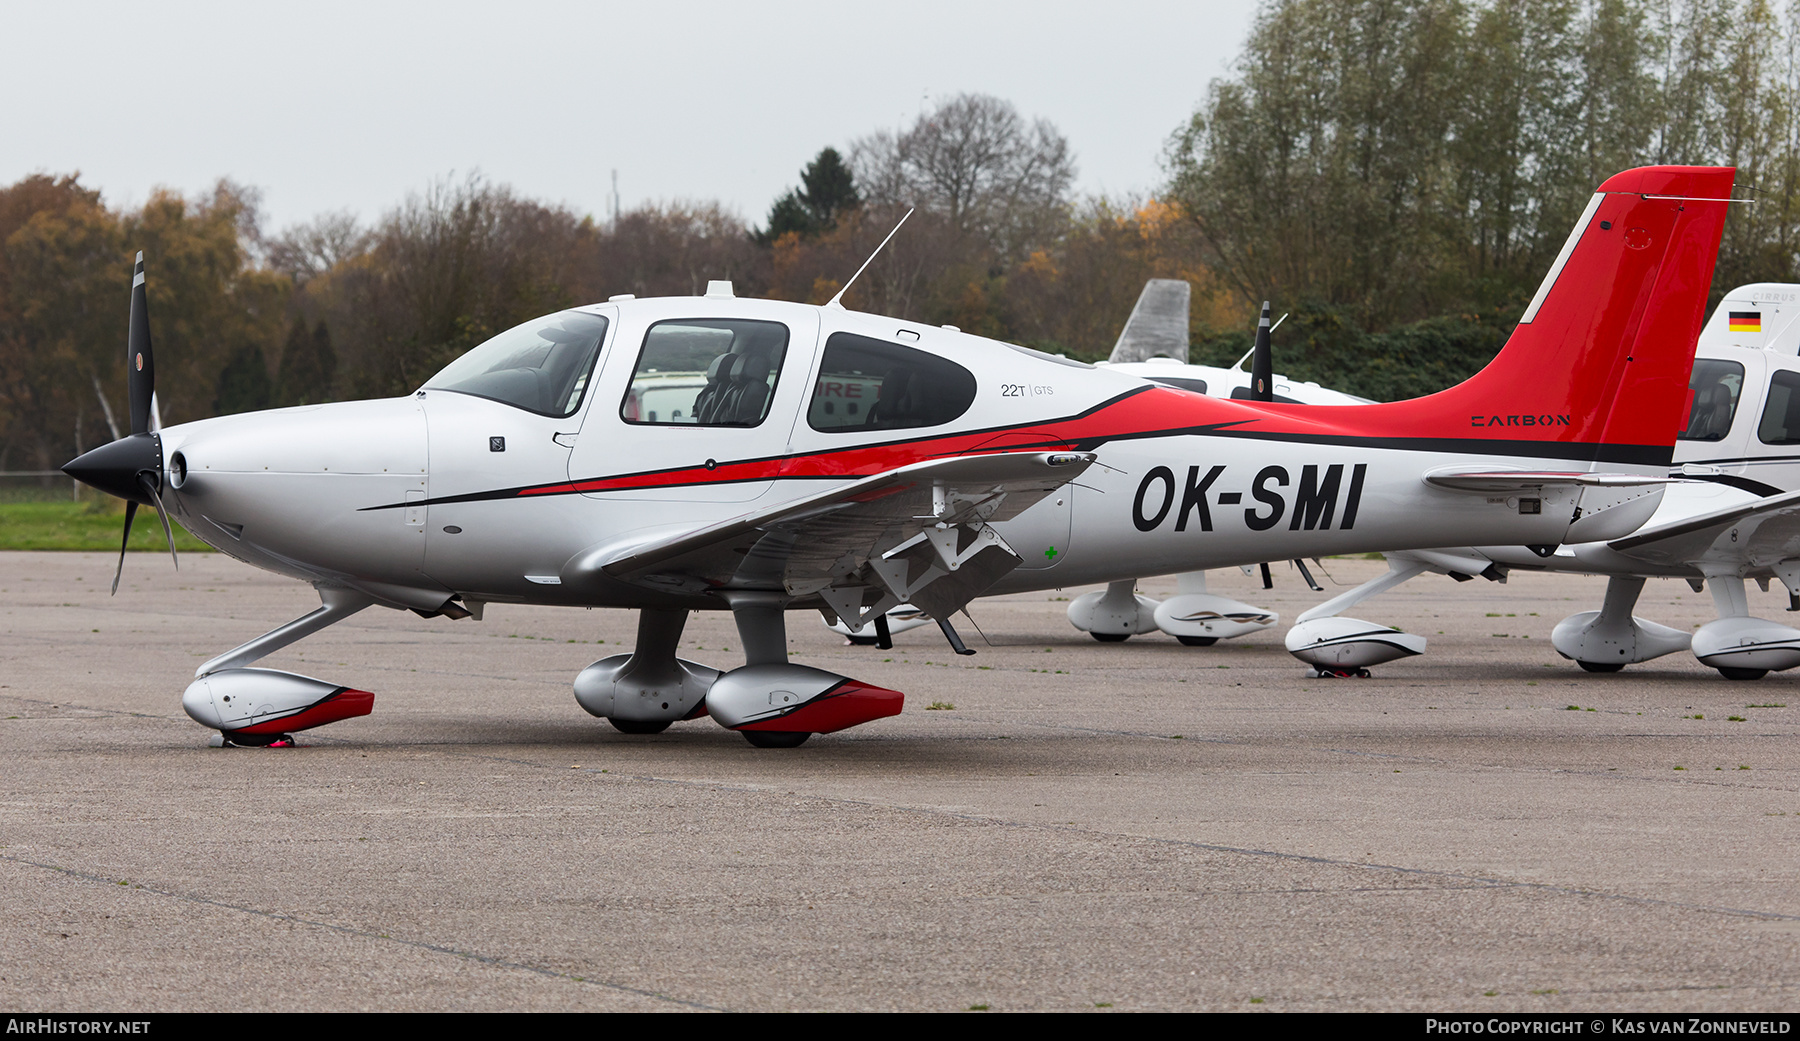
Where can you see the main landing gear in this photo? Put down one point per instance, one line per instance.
(1739, 646)
(1611, 638)
(773, 703)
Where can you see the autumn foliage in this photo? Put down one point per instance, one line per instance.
(1397, 173)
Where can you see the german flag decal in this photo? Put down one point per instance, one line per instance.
(1746, 321)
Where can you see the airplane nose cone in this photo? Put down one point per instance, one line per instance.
(114, 468)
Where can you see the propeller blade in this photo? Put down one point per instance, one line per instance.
(140, 362)
(148, 483)
(130, 512)
(1262, 360)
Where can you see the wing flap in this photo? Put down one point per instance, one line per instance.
(922, 523)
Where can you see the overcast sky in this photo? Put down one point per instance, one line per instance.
(327, 106)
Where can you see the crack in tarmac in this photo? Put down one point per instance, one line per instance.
(485, 959)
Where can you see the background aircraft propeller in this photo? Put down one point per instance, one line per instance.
(1262, 361)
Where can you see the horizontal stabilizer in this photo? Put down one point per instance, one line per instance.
(1492, 481)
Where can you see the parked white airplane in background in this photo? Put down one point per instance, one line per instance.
(847, 462)
(1735, 515)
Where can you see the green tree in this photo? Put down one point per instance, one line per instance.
(64, 279)
(1322, 168)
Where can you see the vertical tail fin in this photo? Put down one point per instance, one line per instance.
(1600, 359)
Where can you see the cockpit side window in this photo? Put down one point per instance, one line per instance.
(706, 372)
(1716, 386)
(542, 366)
(1781, 414)
(868, 384)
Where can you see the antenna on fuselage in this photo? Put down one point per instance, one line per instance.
(835, 301)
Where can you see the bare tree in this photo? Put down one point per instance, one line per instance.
(975, 161)
(307, 250)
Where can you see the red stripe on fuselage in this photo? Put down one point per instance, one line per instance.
(1152, 412)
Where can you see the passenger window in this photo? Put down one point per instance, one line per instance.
(1716, 386)
(1181, 383)
(1781, 416)
(706, 372)
(867, 384)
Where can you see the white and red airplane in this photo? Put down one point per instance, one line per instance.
(757, 456)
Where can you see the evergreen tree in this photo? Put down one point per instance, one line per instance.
(243, 383)
(789, 214)
(828, 190)
(308, 365)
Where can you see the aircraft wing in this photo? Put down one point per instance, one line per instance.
(1764, 532)
(918, 533)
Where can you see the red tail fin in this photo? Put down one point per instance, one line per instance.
(1599, 362)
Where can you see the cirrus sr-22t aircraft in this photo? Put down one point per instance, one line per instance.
(757, 456)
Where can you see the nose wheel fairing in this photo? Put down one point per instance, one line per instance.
(252, 706)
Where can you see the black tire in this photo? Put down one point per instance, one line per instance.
(1600, 666)
(1197, 641)
(776, 738)
(1111, 637)
(639, 726)
(1734, 673)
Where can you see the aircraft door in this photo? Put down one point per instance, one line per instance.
(1720, 434)
(501, 420)
(695, 409)
(872, 391)
(1770, 428)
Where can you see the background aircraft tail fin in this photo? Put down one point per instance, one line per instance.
(1158, 326)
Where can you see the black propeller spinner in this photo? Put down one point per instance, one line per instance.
(132, 467)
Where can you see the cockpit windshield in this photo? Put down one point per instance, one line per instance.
(542, 366)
